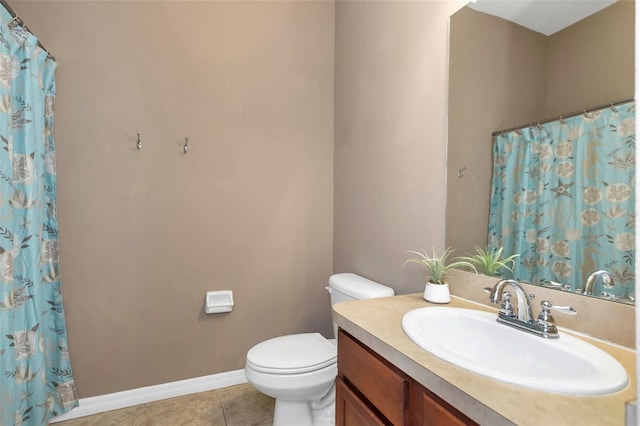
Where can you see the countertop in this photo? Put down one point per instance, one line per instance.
(377, 323)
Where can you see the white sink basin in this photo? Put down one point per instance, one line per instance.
(475, 341)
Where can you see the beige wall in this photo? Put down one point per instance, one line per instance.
(144, 234)
(591, 62)
(503, 75)
(496, 80)
(390, 130)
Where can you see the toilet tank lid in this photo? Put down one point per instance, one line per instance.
(359, 287)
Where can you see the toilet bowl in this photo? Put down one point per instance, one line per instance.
(299, 370)
(295, 370)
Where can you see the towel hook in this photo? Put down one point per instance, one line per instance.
(461, 172)
(185, 148)
(16, 22)
(139, 144)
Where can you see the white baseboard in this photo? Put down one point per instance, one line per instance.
(117, 400)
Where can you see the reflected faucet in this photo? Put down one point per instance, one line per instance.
(524, 304)
(607, 281)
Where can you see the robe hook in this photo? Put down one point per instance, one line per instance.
(185, 148)
(461, 172)
(16, 22)
(139, 143)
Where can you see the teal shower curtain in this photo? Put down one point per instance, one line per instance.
(563, 198)
(36, 380)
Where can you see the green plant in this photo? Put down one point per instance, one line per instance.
(436, 264)
(490, 261)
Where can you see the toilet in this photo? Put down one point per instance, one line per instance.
(299, 370)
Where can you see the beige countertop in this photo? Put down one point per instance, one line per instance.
(377, 323)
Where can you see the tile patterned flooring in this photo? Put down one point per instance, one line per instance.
(239, 405)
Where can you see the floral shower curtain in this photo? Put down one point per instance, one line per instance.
(563, 199)
(36, 380)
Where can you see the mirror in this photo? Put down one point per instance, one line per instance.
(503, 75)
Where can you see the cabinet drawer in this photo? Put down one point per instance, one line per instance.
(384, 387)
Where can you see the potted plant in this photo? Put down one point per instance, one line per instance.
(436, 289)
(490, 261)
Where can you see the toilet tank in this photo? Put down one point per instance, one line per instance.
(350, 286)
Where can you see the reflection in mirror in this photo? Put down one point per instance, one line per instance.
(562, 198)
(502, 75)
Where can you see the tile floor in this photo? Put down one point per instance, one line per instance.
(239, 405)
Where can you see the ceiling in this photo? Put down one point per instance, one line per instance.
(543, 16)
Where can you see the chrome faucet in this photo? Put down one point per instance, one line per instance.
(607, 281)
(524, 303)
(544, 326)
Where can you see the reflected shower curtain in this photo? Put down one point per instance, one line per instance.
(36, 381)
(563, 198)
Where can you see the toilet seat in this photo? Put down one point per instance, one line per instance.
(293, 354)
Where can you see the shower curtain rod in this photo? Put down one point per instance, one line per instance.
(558, 117)
(22, 24)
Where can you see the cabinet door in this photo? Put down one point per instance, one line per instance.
(375, 379)
(350, 410)
(435, 413)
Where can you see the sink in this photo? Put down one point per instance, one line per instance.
(474, 341)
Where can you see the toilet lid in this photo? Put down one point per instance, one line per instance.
(294, 354)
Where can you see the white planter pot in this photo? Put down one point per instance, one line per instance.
(437, 293)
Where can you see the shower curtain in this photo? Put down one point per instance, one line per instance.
(36, 380)
(563, 198)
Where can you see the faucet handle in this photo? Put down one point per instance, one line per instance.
(546, 321)
(506, 307)
(569, 310)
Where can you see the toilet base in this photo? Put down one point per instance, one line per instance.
(326, 416)
(297, 413)
(288, 413)
(292, 413)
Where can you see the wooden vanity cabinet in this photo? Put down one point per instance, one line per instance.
(352, 410)
(371, 391)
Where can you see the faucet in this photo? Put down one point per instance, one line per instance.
(524, 303)
(607, 281)
(544, 326)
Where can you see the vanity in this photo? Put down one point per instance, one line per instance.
(385, 378)
(372, 391)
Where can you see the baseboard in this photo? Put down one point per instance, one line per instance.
(117, 400)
